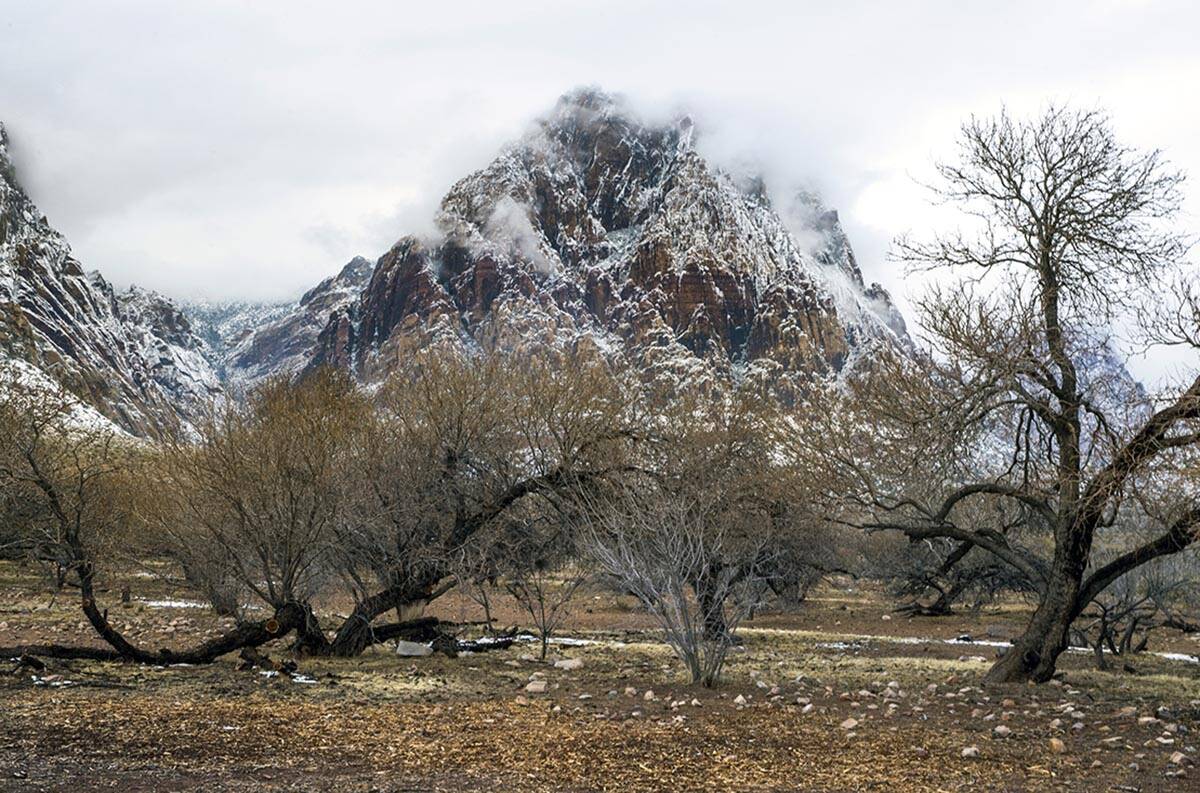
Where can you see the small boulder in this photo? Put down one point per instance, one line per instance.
(1057, 746)
(569, 664)
(849, 724)
(413, 649)
(970, 752)
(538, 686)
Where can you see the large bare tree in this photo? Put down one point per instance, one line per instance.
(73, 480)
(1022, 401)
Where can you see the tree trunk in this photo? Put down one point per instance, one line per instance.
(253, 634)
(1034, 655)
(356, 634)
(310, 639)
(712, 605)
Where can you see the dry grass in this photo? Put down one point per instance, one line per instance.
(386, 723)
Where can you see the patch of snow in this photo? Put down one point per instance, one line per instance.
(174, 604)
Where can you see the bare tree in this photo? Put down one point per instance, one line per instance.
(73, 477)
(460, 442)
(694, 530)
(1017, 401)
(254, 505)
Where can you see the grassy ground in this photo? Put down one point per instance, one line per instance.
(806, 706)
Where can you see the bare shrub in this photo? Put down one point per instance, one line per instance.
(541, 572)
(690, 533)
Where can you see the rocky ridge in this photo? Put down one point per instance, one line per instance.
(249, 342)
(595, 229)
(132, 355)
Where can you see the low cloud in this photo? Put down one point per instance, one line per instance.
(509, 225)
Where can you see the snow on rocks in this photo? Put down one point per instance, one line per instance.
(134, 347)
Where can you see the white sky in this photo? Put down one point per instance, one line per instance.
(229, 149)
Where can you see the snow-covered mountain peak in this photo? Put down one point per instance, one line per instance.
(623, 225)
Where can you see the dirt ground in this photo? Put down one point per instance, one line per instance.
(838, 695)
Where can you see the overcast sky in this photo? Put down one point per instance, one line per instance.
(246, 150)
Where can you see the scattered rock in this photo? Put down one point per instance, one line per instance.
(1001, 731)
(537, 686)
(413, 649)
(569, 664)
(1057, 746)
(849, 724)
(970, 752)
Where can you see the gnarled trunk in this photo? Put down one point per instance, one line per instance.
(356, 634)
(712, 608)
(1035, 654)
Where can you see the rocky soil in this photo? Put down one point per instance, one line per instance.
(832, 697)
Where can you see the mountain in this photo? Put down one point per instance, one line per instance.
(132, 355)
(250, 341)
(598, 228)
(594, 229)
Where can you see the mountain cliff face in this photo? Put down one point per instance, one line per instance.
(248, 342)
(596, 228)
(133, 355)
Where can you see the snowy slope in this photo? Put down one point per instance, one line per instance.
(132, 355)
(248, 342)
